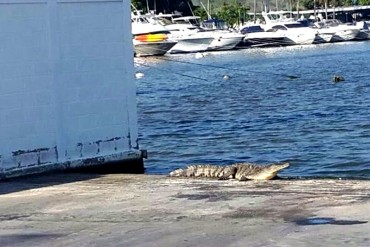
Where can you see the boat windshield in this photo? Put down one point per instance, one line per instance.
(251, 29)
(331, 23)
(162, 21)
(139, 19)
(294, 25)
(194, 20)
(214, 24)
(278, 27)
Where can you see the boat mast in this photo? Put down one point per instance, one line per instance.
(208, 14)
(209, 8)
(254, 11)
(334, 9)
(133, 6)
(191, 10)
(297, 9)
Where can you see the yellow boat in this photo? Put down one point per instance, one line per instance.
(151, 37)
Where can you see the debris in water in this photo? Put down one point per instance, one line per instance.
(338, 78)
(226, 77)
(292, 77)
(139, 75)
(198, 55)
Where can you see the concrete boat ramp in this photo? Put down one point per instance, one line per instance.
(152, 210)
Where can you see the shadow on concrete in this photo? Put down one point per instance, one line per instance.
(14, 239)
(52, 178)
(327, 221)
(12, 185)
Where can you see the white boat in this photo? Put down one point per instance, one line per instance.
(256, 36)
(149, 39)
(221, 39)
(191, 44)
(184, 31)
(294, 31)
(224, 39)
(364, 33)
(323, 36)
(190, 20)
(188, 37)
(342, 32)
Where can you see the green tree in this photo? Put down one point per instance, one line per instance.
(138, 4)
(364, 2)
(232, 13)
(307, 4)
(199, 11)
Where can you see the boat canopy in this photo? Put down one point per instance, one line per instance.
(214, 24)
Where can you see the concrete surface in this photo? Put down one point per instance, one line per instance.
(149, 210)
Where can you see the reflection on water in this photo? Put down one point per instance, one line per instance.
(278, 104)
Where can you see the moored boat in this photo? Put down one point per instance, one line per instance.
(149, 39)
(256, 36)
(189, 38)
(364, 33)
(224, 39)
(341, 32)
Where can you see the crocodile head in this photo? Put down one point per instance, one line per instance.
(268, 172)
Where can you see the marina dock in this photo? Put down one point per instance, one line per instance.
(156, 210)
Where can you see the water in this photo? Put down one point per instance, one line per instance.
(260, 114)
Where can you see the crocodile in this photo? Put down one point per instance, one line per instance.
(239, 171)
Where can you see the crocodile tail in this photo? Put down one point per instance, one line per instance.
(206, 170)
(196, 171)
(178, 172)
(188, 171)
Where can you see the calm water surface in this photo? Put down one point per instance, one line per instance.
(188, 113)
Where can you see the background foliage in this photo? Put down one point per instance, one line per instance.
(235, 11)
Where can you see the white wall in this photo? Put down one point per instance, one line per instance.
(67, 89)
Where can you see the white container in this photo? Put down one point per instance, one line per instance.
(67, 88)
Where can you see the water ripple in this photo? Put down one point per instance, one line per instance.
(260, 115)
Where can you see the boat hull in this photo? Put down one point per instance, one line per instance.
(345, 35)
(189, 45)
(225, 42)
(264, 42)
(323, 37)
(300, 40)
(144, 49)
(363, 35)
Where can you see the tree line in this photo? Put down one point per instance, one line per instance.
(234, 11)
